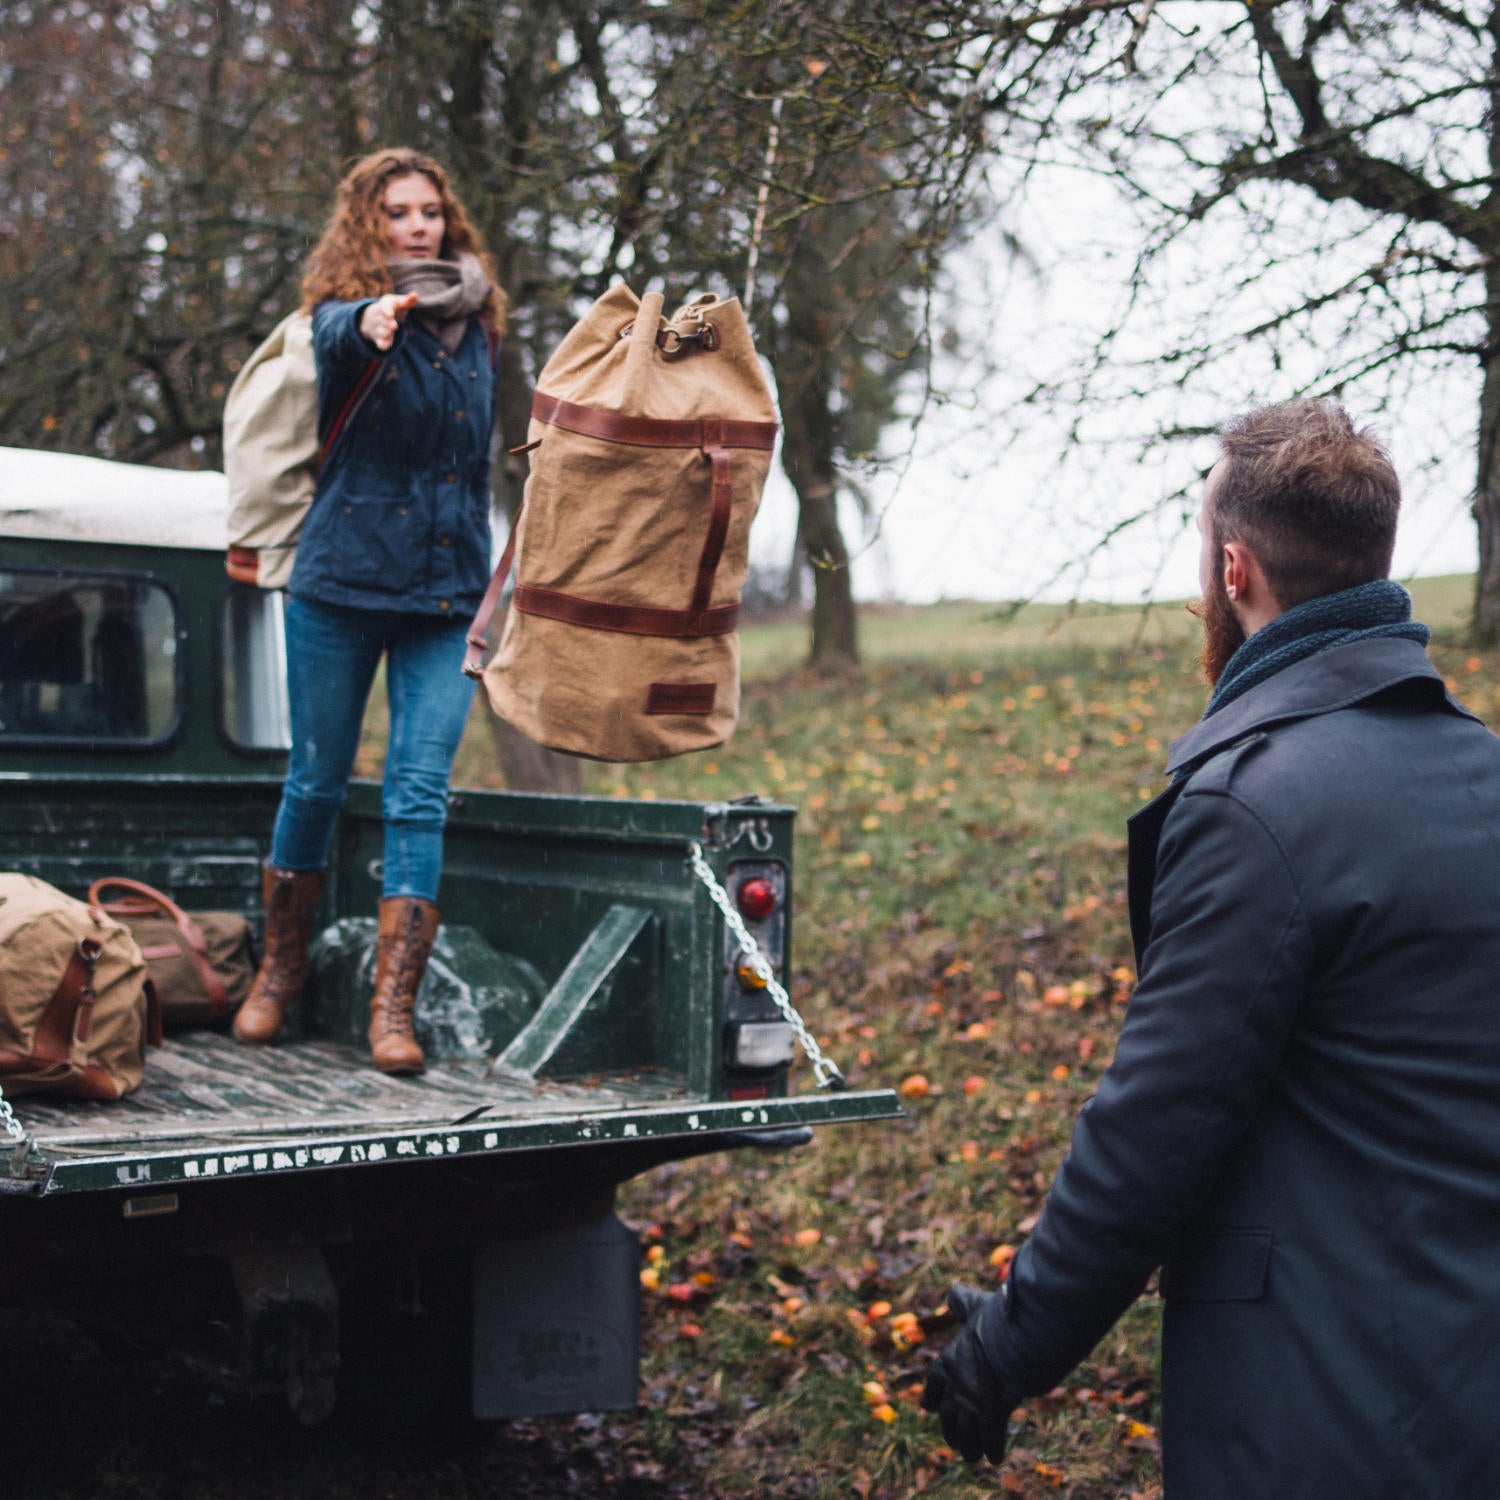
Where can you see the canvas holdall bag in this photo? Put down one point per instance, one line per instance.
(273, 450)
(77, 1007)
(202, 964)
(652, 441)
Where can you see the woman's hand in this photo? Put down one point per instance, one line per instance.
(379, 321)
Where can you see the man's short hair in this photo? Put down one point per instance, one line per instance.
(1315, 499)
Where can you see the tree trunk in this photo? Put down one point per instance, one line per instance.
(834, 621)
(792, 594)
(1484, 629)
(1485, 625)
(530, 767)
(807, 457)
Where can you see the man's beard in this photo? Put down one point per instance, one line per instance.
(1222, 632)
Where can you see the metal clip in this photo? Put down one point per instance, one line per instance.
(672, 340)
(757, 830)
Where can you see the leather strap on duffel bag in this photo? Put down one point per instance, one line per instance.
(652, 443)
(202, 963)
(77, 1006)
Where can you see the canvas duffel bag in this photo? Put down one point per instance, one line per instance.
(77, 1007)
(202, 963)
(652, 441)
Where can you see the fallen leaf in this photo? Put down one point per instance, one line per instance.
(1001, 1257)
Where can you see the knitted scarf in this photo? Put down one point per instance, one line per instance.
(1366, 612)
(449, 293)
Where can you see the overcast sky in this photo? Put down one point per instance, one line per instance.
(985, 506)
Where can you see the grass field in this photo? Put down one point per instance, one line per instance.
(961, 935)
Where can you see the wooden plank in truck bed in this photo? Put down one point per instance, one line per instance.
(206, 1086)
(212, 1109)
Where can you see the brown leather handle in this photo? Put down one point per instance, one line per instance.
(145, 898)
(243, 564)
(68, 1013)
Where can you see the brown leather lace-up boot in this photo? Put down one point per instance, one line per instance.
(290, 898)
(408, 925)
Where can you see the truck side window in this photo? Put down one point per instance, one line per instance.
(254, 711)
(86, 658)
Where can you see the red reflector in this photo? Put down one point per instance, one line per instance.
(757, 899)
(750, 1091)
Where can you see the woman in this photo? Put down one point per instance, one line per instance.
(392, 562)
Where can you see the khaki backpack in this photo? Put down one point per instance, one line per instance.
(76, 1007)
(652, 441)
(272, 450)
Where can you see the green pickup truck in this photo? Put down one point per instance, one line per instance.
(589, 1012)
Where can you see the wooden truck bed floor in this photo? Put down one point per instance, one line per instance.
(208, 1088)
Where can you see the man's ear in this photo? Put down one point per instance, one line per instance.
(1235, 574)
(1245, 583)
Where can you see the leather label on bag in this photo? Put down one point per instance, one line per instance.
(681, 697)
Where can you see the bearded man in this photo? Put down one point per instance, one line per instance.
(1301, 1124)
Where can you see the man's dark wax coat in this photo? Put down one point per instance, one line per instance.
(1301, 1125)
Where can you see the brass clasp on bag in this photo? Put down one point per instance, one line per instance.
(673, 340)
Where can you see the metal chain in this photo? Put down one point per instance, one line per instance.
(12, 1125)
(826, 1070)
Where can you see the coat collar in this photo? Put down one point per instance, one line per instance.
(1333, 679)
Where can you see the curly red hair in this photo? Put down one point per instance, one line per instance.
(349, 262)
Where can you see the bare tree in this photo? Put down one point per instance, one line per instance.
(168, 166)
(156, 199)
(1304, 192)
(814, 155)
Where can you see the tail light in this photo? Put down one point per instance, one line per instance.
(757, 898)
(750, 976)
(757, 1039)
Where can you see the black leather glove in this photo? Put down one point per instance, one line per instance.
(972, 1404)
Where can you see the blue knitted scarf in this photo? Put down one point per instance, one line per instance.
(1366, 612)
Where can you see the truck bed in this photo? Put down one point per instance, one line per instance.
(212, 1109)
(206, 1088)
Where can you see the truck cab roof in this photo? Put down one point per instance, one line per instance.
(66, 497)
(125, 649)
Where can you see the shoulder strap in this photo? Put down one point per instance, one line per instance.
(71, 1007)
(479, 626)
(350, 409)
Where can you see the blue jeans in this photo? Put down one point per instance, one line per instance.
(331, 659)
